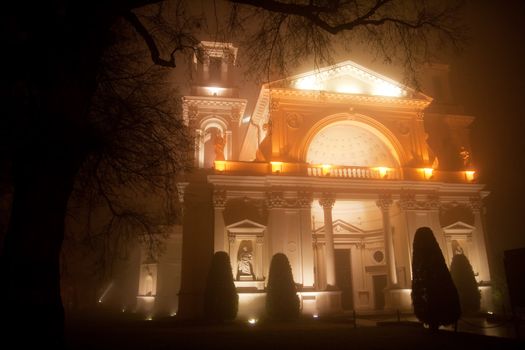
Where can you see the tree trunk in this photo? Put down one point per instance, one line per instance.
(31, 256)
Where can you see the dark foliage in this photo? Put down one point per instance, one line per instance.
(463, 277)
(282, 302)
(220, 297)
(434, 295)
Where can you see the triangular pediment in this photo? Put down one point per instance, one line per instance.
(459, 226)
(349, 77)
(245, 224)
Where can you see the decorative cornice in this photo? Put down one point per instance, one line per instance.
(326, 96)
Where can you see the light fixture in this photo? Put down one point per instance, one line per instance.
(220, 165)
(326, 169)
(252, 321)
(383, 171)
(428, 173)
(469, 175)
(277, 167)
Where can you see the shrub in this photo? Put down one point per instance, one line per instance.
(282, 302)
(221, 301)
(465, 282)
(434, 295)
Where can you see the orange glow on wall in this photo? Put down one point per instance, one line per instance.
(326, 169)
(220, 165)
(469, 175)
(277, 167)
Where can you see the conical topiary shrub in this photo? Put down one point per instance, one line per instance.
(282, 302)
(465, 282)
(434, 295)
(221, 301)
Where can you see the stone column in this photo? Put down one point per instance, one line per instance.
(304, 200)
(233, 257)
(327, 202)
(219, 234)
(259, 244)
(480, 240)
(384, 203)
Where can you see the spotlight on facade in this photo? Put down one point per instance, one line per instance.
(469, 175)
(277, 167)
(252, 321)
(383, 172)
(149, 318)
(326, 169)
(428, 173)
(220, 165)
(316, 316)
(173, 314)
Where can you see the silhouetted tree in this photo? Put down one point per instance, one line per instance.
(434, 296)
(220, 296)
(282, 302)
(465, 282)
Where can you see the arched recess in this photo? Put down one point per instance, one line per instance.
(362, 126)
(207, 131)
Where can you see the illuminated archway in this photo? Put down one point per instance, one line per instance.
(352, 140)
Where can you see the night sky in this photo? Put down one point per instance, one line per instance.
(488, 80)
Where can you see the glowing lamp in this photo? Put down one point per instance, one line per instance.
(469, 175)
(428, 173)
(252, 321)
(383, 171)
(277, 167)
(220, 165)
(326, 169)
(315, 316)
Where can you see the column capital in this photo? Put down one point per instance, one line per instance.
(219, 199)
(384, 202)
(275, 199)
(304, 199)
(475, 203)
(327, 201)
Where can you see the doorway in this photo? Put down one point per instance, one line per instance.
(343, 277)
(379, 287)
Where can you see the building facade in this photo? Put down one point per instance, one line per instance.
(336, 168)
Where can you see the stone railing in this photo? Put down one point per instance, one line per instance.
(353, 172)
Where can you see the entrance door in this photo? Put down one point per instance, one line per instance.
(379, 287)
(343, 277)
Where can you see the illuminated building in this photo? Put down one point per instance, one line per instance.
(336, 168)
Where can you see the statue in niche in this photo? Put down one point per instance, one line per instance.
(219, 146)
(456, 248)
(244, 262)
(465, 157)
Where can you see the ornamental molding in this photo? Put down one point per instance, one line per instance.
(275, 200)
(475, 203)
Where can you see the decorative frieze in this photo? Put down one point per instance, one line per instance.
(408, 202)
